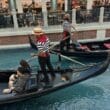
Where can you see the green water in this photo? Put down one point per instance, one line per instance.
(92, 94)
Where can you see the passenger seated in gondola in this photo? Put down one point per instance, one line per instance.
(12, 80)
(18, 81)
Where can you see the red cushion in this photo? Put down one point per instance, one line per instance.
(83, 47)
(107, 45)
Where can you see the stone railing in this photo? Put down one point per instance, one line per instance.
(45, 19)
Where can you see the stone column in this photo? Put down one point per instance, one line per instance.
(101, 33)
(54, 5)
(66, 5)
(12, 5)
(44, 11)
(74, 16)
(19, 6)
(101, 17)
(89, 4)
(13, 11)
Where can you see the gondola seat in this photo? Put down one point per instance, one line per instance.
(96, 47)
(84, 47)
(107, 45)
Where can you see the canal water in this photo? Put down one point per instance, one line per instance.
(92, 94)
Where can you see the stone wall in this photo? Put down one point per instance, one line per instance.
(107, 33)
(23, 39)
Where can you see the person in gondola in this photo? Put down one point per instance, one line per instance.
(23, 72)
(65, 41)
(42, 42)
(18, 81)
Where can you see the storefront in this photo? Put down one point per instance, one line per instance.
(4, 6)
(51, 5)
(77, 3)
(3, 3)
(101, 2)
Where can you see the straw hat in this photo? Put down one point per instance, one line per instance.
(38, 31)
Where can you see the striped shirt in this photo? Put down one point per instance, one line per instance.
(67, 26)
(43, 43)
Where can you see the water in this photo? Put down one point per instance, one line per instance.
(92, 94)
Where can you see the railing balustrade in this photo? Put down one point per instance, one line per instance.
(6, 20)
(56, 18)
(29, 19)
(87, 16)
(107, 14)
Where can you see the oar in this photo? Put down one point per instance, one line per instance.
(72, 60)
(63, 56)
(33, 45)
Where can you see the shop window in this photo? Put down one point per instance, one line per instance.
(79, 3)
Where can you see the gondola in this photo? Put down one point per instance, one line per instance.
(34, 88)
(92, 49)
(89, 49)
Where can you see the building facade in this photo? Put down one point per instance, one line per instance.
(51, 5)
(20, 16)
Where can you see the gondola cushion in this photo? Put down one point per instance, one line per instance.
(107, 45)
(84, 47)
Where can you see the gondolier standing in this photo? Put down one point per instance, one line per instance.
(66, 32)
(42, 42)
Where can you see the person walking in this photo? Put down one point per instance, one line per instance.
(66, 32)
(42, 42)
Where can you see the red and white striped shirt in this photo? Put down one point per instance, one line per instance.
(43, 43)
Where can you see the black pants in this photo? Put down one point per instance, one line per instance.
(65, 43)
(45, 61)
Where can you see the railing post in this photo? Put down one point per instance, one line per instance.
(15, 19)
(54, 5)
(66, 5)
(74, 16)
(101, 17)
(45, 19)
(13, 11)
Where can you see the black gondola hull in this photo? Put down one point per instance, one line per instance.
(92, 54)
(97, 49)
(76, 77)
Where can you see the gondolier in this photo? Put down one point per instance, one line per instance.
(66, 32)
(42, 42)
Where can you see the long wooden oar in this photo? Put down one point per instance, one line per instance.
(68, 58)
